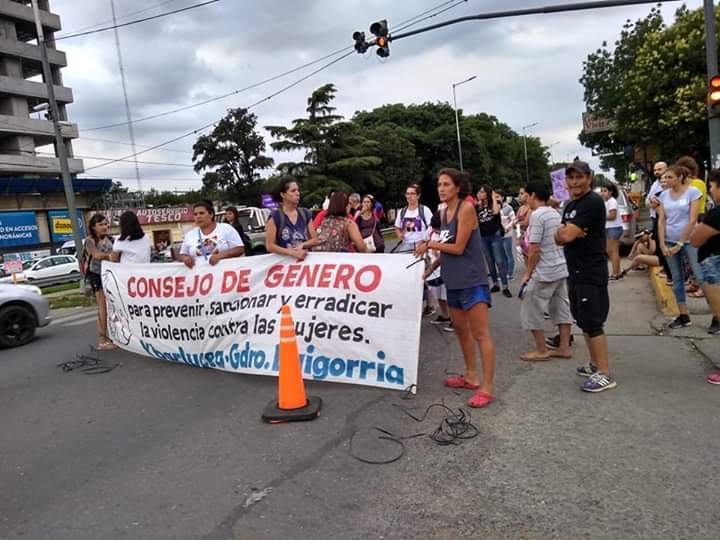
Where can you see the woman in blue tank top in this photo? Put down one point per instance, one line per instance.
(465, 276)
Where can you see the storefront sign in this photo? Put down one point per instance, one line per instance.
(357, 317)
(18, 229)
(60, 226)
(151, 216)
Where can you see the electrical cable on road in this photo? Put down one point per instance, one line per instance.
(136, 21)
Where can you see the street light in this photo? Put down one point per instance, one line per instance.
(527, 166)
(550, 150)
(457, 119)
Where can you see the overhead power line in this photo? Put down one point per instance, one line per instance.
(211, 124)
(403, 25)
(108, 21)
(136, 21)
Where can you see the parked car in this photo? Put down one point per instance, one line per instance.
(68, 248)
(22, 310)
(47, 267)
(253, 220)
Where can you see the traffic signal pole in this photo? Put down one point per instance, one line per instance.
(712, 71)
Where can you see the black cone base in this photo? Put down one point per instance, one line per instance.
(274, 415)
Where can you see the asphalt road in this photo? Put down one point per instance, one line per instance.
(154, 450)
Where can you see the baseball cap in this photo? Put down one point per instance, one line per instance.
(579, 166)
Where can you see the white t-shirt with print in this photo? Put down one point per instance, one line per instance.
(222, 238)
(133, 251)
(412, 225)
(612, 204)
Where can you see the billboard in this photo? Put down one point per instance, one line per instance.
(151, 216)
(18, 229)
(60, 226)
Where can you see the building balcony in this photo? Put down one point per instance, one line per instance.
(24, 13)
(31, 89)
(40, 130)
(29, 164)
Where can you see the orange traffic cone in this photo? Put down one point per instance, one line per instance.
(292, 404)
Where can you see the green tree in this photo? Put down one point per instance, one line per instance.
(337, 155)
(232, 154)
(652, 85)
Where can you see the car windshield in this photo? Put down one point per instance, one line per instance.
(28, 264)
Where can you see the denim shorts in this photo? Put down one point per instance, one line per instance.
(614, 233)
(466, 299)
(711, 269)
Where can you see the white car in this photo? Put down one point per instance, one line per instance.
(47, 267)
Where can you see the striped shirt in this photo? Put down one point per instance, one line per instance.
(551, 266)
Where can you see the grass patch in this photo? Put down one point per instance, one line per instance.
(60, 288)
(71, 300)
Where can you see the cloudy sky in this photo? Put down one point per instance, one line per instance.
(527, 68)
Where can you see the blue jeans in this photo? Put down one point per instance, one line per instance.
(495, 257)
(507, 243)
(676, 269)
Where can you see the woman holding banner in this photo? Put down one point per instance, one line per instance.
(98, 246)
(290, 231)
(209, 242)
(465, 276)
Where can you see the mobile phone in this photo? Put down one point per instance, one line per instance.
(521, 292)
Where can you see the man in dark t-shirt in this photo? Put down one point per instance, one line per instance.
(582, 234)
(706, 237)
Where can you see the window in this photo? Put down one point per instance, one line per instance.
(45, 263)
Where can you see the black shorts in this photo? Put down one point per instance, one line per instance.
(589, 305)
(94, 280)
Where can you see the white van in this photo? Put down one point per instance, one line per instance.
(68, 248)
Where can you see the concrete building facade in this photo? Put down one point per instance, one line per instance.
(22, 88)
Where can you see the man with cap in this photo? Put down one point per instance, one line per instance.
(582, 234)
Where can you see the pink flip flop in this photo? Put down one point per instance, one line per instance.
(480, 400)
(458, 381)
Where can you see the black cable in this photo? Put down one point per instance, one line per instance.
(89, 365)
(211, 124)
(430, 16)
(136, 21)
(453, 429)
(144, 10)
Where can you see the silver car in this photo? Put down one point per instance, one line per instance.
(23, 309)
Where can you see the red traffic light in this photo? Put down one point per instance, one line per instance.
(714, 91)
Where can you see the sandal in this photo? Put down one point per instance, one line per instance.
(480, 399)
(106, 345)
(696, 294)
(458, 381)
(534, 356)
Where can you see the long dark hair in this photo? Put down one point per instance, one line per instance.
(338, 204)
(130, 228)
(282, 187)
(94, 220)
(461, 180)
(488, 191)
(234, 213)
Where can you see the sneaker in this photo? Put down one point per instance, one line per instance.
(495, 288)
(448, 328)
(714, 378)
(615, 278)
(714, 326)
(554, 342)
(441, 320)
(546, 316)
(588, 370)
(681, 321)
(428, 311)
(507, 293)
(598, 382)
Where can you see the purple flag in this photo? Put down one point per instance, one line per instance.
(559, 186)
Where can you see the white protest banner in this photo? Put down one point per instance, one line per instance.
(357, 316)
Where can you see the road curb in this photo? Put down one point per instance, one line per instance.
(663, 293)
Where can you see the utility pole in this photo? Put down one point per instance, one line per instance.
(712, 71)
(128, 115)
(59, 142)
(457, 119)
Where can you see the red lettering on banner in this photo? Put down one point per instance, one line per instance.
(346, 276)
(325, 275)
(238, 282)
(131, 287)
(243, 280)
(169, 286)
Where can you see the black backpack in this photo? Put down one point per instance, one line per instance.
(279, 218)
(421, 214)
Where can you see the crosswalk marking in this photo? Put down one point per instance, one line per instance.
(74, 317)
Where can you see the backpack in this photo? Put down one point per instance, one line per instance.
(421, 213)
(279, 219)
(245, 239)
(333, 235)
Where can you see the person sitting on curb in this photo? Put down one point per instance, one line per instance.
(545, 280)
(642, 253)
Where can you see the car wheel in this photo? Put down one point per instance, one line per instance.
(17, 326)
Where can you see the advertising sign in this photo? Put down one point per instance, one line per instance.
(18, 229)
(60, 226)
(150, 216)
(357, 316)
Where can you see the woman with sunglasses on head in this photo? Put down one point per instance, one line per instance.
(464, 273)
(412, 221)
(98, 246)
(369, 225)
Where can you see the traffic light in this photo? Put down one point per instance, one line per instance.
(714, 91)
(360, 44)
(380, 30)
